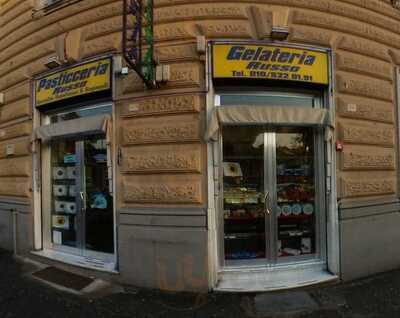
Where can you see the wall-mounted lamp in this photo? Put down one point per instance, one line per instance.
(279, 33)
(52, 62)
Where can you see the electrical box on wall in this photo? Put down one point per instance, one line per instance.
(162, 73)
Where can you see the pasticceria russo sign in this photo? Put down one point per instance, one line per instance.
(79, 80)
(269, 62)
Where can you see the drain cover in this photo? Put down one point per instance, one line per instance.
(65, 279)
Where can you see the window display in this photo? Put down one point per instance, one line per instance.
(269, 193)
(295, 192)
(244, 216)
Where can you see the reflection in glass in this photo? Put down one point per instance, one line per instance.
(79, 113)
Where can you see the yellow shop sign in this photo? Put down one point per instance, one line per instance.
(80, 80)
(269, 62)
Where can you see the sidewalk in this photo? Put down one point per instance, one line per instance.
(21, 296)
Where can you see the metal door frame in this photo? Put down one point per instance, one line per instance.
(271, 259)
(80, 249)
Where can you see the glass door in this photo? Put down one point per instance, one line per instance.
(65, 204)
(82, 202)
(246, 216)
(271, 205)
(97, 198)
(294, 186)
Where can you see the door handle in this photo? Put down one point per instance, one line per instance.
(83, 198)
(267, 211)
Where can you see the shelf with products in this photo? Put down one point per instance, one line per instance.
(244, 235)
(245, 255)
(294, 234)
(295, 217)
(287, 180)
(226, 158)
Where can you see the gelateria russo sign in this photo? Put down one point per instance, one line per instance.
(269, 62)
(79, 80)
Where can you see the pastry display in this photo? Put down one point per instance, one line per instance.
(290, 212)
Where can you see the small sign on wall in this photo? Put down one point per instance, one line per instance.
(10, 150)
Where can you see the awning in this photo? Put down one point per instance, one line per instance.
(267, 115)
(84, 126)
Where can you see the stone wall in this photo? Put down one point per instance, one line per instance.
(161, 179)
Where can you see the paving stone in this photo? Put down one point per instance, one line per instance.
(282, 304)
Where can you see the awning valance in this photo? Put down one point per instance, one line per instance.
(76, 128)
(268, 115)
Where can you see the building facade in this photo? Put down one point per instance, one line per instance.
(263, 154)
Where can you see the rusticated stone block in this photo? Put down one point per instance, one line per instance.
(173, 31)
(156, 159)
(110, 42)
(368, 16)
(262, 20)
(163, 105)
(225, 28)
(20, 148)
(332, 22)
(86, 17)
(161, 130)
(43, 29)
(17, 92)
(382, 7)
(358, 188)
(10, 10)
(19, 130)
(364, 108)
(363, 86)
(130, 83)
(15, 167)
(11, 27)
(12, 45)
(185, 75)
(364, 47)
(199, 11)
(368, 158)
(17, 109)
(26, 57)
(167, 190)
(176, 52)
(18, 187)
(372, 134)
(364, 65)
(103, 27)
(310, 35)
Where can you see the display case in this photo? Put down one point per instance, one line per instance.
(295, 207)
(243, 182)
